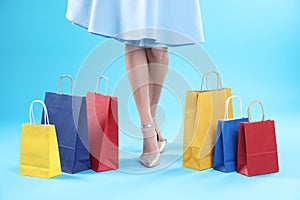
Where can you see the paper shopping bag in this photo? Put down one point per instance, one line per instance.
(68, 114)
(39, 156)
(257, 147)
(225, 154)
(102, 113)
(203, 109)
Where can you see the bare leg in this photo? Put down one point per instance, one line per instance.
(138, 73)
(158, 67)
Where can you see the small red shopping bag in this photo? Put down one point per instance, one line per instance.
(102, 112)
(257, 148)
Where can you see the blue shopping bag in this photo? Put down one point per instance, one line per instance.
(225, 153)
(69, 115)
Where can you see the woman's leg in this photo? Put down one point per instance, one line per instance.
(158, 60)
(138, 73)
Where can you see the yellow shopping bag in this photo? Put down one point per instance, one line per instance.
(203, 109)
(39, 154)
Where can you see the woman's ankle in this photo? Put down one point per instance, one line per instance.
(160, 137)
(150, 145)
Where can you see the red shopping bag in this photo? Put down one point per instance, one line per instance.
(257, 148)
(102, 113)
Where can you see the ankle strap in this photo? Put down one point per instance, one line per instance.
(147, 125)
(147, 132)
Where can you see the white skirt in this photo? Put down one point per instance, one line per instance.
(152, 23)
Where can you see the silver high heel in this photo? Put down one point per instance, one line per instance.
(162, 145)
(149, 159)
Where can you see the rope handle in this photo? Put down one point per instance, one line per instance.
(262, 109)
(59, 90)
(31, 114)
(219, 79)
(227, 105)
(98, 84)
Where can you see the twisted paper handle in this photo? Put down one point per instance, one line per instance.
(240, 106)
(219, 79)
(262, 109)
(98, 84)
(31, 114)
(59, 90)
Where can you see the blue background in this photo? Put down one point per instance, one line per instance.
(255, 44)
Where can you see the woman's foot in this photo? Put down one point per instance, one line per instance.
(161, 142)
(151, 154)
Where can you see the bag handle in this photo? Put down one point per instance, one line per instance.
(227, 105)
(98, 84)
(262, 109)
(31, 115)
(219, 79)
(59, 90)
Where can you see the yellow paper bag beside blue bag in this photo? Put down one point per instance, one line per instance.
(203, 109)
(39, 156)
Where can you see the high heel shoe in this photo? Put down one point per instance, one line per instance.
(162, 145)
(150, 159)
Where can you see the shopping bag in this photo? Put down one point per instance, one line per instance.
(68, 113)
(102, 111)
(39, 156)
(257, 147)
(203, 109)
(225, 154)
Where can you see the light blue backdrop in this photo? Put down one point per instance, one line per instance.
(255, 45)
